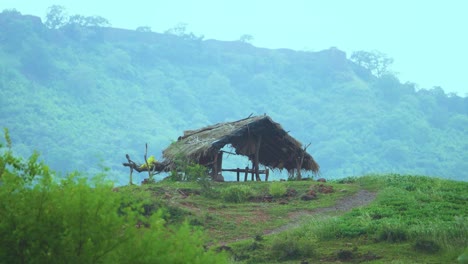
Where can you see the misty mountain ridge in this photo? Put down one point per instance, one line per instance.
(84, 96)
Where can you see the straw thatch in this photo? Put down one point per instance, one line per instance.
(278, 150)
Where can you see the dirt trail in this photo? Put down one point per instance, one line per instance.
(361, 198)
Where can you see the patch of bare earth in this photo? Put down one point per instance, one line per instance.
(359, 199)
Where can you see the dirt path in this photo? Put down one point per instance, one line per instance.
(361, 198)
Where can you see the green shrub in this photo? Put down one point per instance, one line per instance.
(392, 233)
(344, 255)
(74, 221)
(195, 172)
(291, 245)
(447, 234)
(323, 229)
(426, 246)
(236, 193)
(277, 189)
(187, 171)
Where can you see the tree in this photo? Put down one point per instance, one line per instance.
(97, 21)
(56, 17)
(88, 21)
(246, 38)
(143, 29)
(180, 30)
(375, 61)
(44, 219)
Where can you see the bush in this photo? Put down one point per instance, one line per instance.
(291, 245)
(195, 172)
(392, 233)
(187, 171)
(277, 189)
(236, 193)
(426, 246)
(75, 221)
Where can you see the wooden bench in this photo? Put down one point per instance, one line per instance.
(246, 172)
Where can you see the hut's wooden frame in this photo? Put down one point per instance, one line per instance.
(259, 138)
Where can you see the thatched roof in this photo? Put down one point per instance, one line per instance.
(278, 149)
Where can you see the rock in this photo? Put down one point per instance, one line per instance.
(321, 180)
(223, 248)
(307, 197)
(218, 178)
(291, 192)
(312, 193)
(322, 188)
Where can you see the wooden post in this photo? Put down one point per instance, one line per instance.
(267, 172)
(215, 167)
(238, 174)
(150, 177)
(300, 161)
(246, 173)
(131, 168)
(299, 167)
(219, 162)
(252, 171)
(256, 158)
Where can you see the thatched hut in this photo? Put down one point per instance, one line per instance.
(259, 138)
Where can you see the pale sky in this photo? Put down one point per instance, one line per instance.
(426, 38)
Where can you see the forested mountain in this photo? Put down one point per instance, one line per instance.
(85, 95)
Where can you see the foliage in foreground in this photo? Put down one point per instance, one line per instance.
(43, 220)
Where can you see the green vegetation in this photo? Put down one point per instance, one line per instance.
(414, 219)
(81, 93)
(277, 189)
(236, 193)
(70, 220)
(45, 219)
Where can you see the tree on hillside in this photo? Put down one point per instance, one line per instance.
(180, 30)
(88, 21)
(143, 29)
(246, 38)
(56, 17)
(375, 61)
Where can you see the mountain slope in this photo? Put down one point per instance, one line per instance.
(84, 96)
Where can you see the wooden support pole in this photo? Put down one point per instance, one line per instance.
(257, 152)
(220, 161)
(238, 174)
(267, 173)
(300, 161)
(215, 167)
(246, 173)
(299, 167)
(131, 168)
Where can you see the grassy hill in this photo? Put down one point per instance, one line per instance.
(374, 218)
(84, 96)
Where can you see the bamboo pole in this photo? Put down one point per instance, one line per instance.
(256, 158)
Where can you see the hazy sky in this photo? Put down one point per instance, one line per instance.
(427, 38)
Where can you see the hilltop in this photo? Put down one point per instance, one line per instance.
(86, 95)
(372, 218)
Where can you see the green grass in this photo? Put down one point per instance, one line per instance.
(414, 219)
